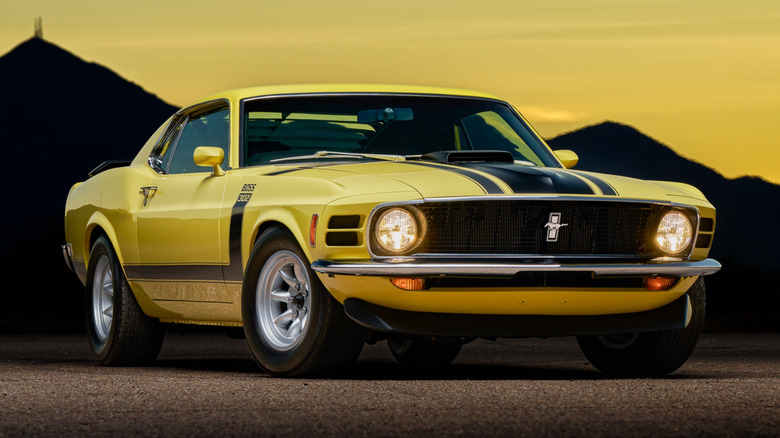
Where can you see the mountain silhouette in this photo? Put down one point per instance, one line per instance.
(65, 116)
(744, 243)
(743, 205)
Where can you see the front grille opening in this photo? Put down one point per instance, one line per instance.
(520, 227)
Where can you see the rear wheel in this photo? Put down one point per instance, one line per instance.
(292, 324)
(119, 332)
(648, 354)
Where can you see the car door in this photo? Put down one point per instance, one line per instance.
(178, 228)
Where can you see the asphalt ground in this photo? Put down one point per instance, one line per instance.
(206, 384)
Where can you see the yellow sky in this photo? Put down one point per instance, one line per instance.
(701, 76)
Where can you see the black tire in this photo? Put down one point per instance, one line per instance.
(293, 326)
(423, 353)
(648, 354)
(119, 332)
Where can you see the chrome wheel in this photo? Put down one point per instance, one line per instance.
(283, 301)
(103, 298)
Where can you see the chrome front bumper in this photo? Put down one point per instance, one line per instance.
(472, 268)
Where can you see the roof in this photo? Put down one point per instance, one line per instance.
(271, 90)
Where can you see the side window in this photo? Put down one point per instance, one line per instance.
(161, 156)
(209, 128)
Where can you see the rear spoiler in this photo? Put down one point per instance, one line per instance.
(109, 164)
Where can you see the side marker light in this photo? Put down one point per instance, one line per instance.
(659, 283)
(313, 229)
(409, 283)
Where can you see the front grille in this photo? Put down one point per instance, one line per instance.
(487, 227)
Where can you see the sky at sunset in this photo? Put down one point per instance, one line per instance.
(700, 76)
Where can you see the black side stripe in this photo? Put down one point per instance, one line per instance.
(604, 186)
(194, 273)
(234, 271)
(485, 183)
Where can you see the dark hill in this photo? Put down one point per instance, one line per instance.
(741, 203)
(63, 116)
(745, 242)
(66, 116)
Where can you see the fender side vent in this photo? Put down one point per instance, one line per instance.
(341, 238)
(344, 222)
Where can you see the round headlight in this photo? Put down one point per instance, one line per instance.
(675, 232)
(396, 230)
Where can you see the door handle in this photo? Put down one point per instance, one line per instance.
(148, 193)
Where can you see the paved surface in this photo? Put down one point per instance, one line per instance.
(206, 384)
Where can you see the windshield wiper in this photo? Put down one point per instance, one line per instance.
(333, 154)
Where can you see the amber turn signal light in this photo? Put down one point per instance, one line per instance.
(659, 283)
(409, 283)
(313, 229)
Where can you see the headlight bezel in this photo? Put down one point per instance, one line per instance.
(377, 248)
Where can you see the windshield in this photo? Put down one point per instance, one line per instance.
(291, 128)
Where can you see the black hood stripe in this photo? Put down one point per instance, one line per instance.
(522, 179)
(604, 186)
(486, 184)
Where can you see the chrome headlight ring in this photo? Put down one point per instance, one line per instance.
(675, 232)
(397, 230)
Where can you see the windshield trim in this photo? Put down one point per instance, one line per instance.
(544, 147)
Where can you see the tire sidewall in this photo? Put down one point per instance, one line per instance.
(102, 349)
(652, 353)
(269, 357)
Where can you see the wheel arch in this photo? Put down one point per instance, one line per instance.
(286, 220)
(97, 226)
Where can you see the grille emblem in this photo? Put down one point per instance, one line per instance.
(553, 225)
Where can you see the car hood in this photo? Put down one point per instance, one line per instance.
(439, 180)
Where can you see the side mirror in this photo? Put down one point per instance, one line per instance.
(568, 158)
(209, 156)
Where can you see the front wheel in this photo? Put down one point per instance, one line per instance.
(119, 332)
(292, 324)
(648, 354)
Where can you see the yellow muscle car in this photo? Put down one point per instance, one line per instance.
(322, 217)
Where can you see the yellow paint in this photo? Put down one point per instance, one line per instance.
(503, 301)
(186, 224)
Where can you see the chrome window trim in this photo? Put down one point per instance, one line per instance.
(512, 109)
(182, 117)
